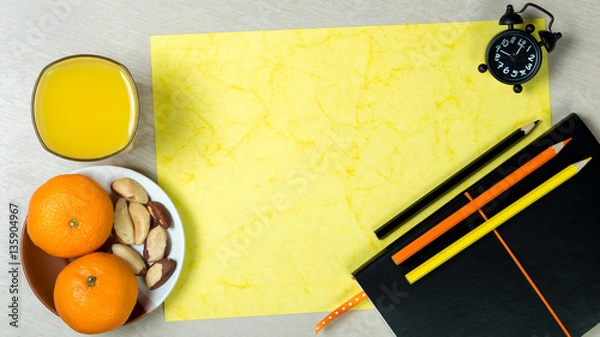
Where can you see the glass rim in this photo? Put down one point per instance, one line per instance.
(135, 96)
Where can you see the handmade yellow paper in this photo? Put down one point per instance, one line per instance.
(284, 150)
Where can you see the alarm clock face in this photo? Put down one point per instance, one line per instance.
(513, 57)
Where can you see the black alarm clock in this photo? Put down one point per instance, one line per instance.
(514, 56)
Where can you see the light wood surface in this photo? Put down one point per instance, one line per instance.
(34, 33)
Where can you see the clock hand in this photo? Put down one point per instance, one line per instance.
(518, 50)
(505, 53)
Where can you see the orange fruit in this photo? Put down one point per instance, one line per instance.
(95, 293)
(70, 215)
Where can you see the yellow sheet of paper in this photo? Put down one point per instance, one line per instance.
(285, 150)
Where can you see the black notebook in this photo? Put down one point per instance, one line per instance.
(482, 291)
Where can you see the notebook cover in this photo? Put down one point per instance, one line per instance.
(481, 291)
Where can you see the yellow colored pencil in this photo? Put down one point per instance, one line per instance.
(493, 223)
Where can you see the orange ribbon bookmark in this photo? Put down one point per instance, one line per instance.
(525, 274)
(342, 309)
(474, 205)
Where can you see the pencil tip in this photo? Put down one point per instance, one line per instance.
(580, 164)
(527, 128)
(560, 145)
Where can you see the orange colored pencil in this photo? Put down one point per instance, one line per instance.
(485, 197)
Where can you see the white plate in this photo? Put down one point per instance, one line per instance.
(105, 175)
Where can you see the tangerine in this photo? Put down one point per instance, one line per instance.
(70, 215)
(95, 293)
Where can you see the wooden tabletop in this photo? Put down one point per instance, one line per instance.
(34, 33)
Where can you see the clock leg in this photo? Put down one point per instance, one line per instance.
(482, 68)
(517, 88)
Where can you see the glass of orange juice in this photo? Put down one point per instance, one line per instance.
(85, 107)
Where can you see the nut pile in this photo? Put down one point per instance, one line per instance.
(141, 221)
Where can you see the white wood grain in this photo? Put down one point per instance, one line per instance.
(33, 33)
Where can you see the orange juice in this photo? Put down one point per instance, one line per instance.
(85, 107)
